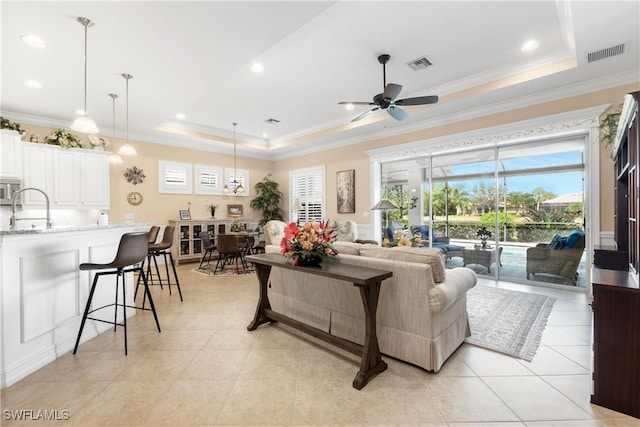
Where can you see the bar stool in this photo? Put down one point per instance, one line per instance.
(131, 251)
(162, 248)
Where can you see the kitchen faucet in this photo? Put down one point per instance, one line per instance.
(13, 219)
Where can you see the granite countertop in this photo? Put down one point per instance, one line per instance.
(70, 228)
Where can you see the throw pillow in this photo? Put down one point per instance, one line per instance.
(417, 255)
(573, 239)
(558, 242)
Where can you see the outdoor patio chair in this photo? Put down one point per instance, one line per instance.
(442, 243)
(561, 257)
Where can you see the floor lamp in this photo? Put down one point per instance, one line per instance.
(297, 207)
(384, 205)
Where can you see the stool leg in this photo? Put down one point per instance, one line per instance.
(153, 307)
(86, 311)
(166, 267)
(115, 311)
(135, 294)
(155, 261)
(124, 310)
(175, 274)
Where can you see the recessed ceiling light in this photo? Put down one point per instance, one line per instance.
(32, 84)
(530, 45)
(180, 116)
(33, 41)
(349, 107)
(265, 135)
(257, 68)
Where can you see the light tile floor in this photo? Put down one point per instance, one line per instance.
(205, 368)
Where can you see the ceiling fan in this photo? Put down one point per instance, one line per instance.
(387, 99)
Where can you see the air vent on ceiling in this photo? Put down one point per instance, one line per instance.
(420, 63)
(272, 121)
(605, 53)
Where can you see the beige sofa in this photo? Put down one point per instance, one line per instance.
(422, 316)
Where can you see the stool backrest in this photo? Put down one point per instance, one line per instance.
(132, 249)
(153, 233)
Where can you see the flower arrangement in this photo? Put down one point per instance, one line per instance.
(237, 226)
(484, 235)
(399, 239)
(212, 209)
(308, 243)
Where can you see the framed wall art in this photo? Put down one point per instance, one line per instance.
(185, 215)
(346, 191)
(235, 210)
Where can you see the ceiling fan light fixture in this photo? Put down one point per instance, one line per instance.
(85, 124)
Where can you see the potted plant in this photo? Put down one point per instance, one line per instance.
(609, 128)
(8, 124)
(268, 199)
(63, 138)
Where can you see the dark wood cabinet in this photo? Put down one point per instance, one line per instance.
(626, 155)
(616, 294)
(616, 341)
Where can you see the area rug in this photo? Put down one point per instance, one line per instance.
(229, 270)
(507, 321)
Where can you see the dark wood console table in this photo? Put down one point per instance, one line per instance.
(368, 282)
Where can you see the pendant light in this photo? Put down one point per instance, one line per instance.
(127, 149)
(237, 188)
(84, 123)
(114, 157)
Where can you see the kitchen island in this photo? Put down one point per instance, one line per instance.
(43, 293)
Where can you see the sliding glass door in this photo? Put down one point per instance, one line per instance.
(512, 212)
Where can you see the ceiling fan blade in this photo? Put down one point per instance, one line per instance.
(365, 114)
(397, 113)
(392, 91)
(419, 100)
(355, 103)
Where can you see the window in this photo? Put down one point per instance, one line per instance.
(308, 187)
(174, 177)
(208, 179)
(235, 177)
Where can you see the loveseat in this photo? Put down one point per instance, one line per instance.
(422, 311)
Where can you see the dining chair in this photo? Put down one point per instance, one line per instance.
(208, 246)
(228, 252)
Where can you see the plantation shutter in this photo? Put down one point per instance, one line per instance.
(307, 186)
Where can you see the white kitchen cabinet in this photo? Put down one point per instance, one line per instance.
(72, 178)
(38, 173)
(10, 154)
(65, 177)
(94, 186)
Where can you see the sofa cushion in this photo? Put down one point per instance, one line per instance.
(348, 248)
(417, 255)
